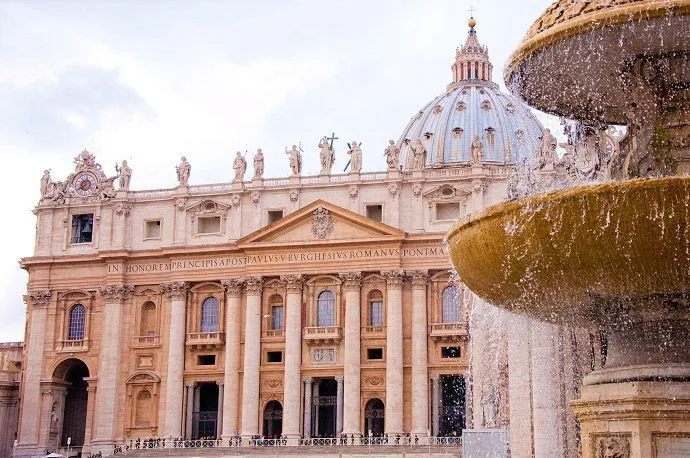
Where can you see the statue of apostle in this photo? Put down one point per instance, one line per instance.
(125, 174)
(477, 150)
(295, 160)
(327, 156)
(183, 171)
(258, 164)
(355, 153)
(392, 154)
(46, 184)
(240, 167)
(418, 154)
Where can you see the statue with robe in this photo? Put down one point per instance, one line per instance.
(355, 153)
(46, 184)
(477, 150)
(327, 156)
(125, 174)
(240, 167)
(183, 171)
(418, 154)
(295, 160)
(392, 154)
(258, 164)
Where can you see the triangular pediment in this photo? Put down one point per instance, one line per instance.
(321, 222)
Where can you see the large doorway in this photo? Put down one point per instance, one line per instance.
(452, 414)
(323, 412)
(72, 372)
(273, 420)
(374, 417)
(206, 413)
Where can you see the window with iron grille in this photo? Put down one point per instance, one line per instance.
(450, 300)
(325, 310)
(77, 314)
(209, 315)
(82, 228)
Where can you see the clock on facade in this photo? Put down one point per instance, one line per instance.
(84, 184)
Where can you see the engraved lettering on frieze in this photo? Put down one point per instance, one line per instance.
(322, 223)
(323, 356)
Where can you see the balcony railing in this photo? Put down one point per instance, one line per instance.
(274, 334)
(448, 332)
(322, 335)
(205, 339)
(145, 341)
(73, 345)
(373, 330)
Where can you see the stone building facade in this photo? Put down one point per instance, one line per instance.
(10, 375)
(300, 306)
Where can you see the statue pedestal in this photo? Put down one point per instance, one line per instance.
(257, 182)
(121, 194)
(237, 185)
(324, 178)
(294, 179)
(181, 190)
(393, 175)
(634, 419)
(418, 174)
(353, 176)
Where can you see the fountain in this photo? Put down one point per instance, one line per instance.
(613, 255)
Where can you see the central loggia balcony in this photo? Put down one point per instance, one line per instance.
(374, 331)
(448, 332)
(205, 340)
(71, 346)
(273, 335)
(322, 335)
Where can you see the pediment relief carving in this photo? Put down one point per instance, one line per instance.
(147, 292)
(75, 295)
(374, 280)
(143, 378)
(211, 287)
(208, 207)
(447, 192)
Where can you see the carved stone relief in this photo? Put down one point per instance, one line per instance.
(322, 223)
(613, 446)
(323, 356)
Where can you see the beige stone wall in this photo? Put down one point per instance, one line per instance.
(10, 375)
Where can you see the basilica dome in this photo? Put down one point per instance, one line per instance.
(472, 106)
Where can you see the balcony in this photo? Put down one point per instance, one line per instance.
(145, 341)
(71, 346)
(205, 340)
(273, 335)
(322, 335)
(448, 332)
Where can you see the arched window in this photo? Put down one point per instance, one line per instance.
(143, 409)
(209, 315)
(148, 319)
(275, 303)
(450, 311)
(325, 310)
(77, 315)
(375, 308)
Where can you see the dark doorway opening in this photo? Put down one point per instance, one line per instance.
(74, 415)
(452, 415)
(206, 413)
(323, 412)
(374, 417)
(273, 420)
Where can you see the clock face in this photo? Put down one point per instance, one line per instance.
(84, 184)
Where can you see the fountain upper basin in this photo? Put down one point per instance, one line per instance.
(603, 253)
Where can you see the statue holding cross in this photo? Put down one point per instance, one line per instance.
(327, 154)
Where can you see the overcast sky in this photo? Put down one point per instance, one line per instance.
(148, 81)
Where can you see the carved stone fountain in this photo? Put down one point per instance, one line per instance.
(613, 255)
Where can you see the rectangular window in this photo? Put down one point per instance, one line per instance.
(374, 353)
(82, 228)
(273, 216)
(152, 229)
(375, 212)
(450, 352)
(206, 360)
(447, 211)
(208, 225)
(277, 317)
(274, 357)
(376, 313)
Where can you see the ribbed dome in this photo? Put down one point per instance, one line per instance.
(472, 106)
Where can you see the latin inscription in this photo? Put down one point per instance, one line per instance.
(279, 258)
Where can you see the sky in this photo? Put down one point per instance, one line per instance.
(151, 80)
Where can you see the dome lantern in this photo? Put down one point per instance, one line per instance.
(472, 59)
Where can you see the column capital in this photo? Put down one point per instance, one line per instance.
(394, 278)
(254, 285)
(37, 298)
(419, 278)
(116, 293)
(339, 378)
(434, 377)
(175, 289)
(308, 380)
(233, 286)
(190, 384)
(352, 281)
(220, 383)
(294, 283)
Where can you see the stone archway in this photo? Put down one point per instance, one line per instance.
(374, 417)
(273, 419)
(68, 419)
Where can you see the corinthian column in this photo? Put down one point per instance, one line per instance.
(394, 355)
(37, 311)
(352, 282)
(252, 358)
(293, 356)
(174, 385)
(231, 393)
(420, 389)
(109, 362)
